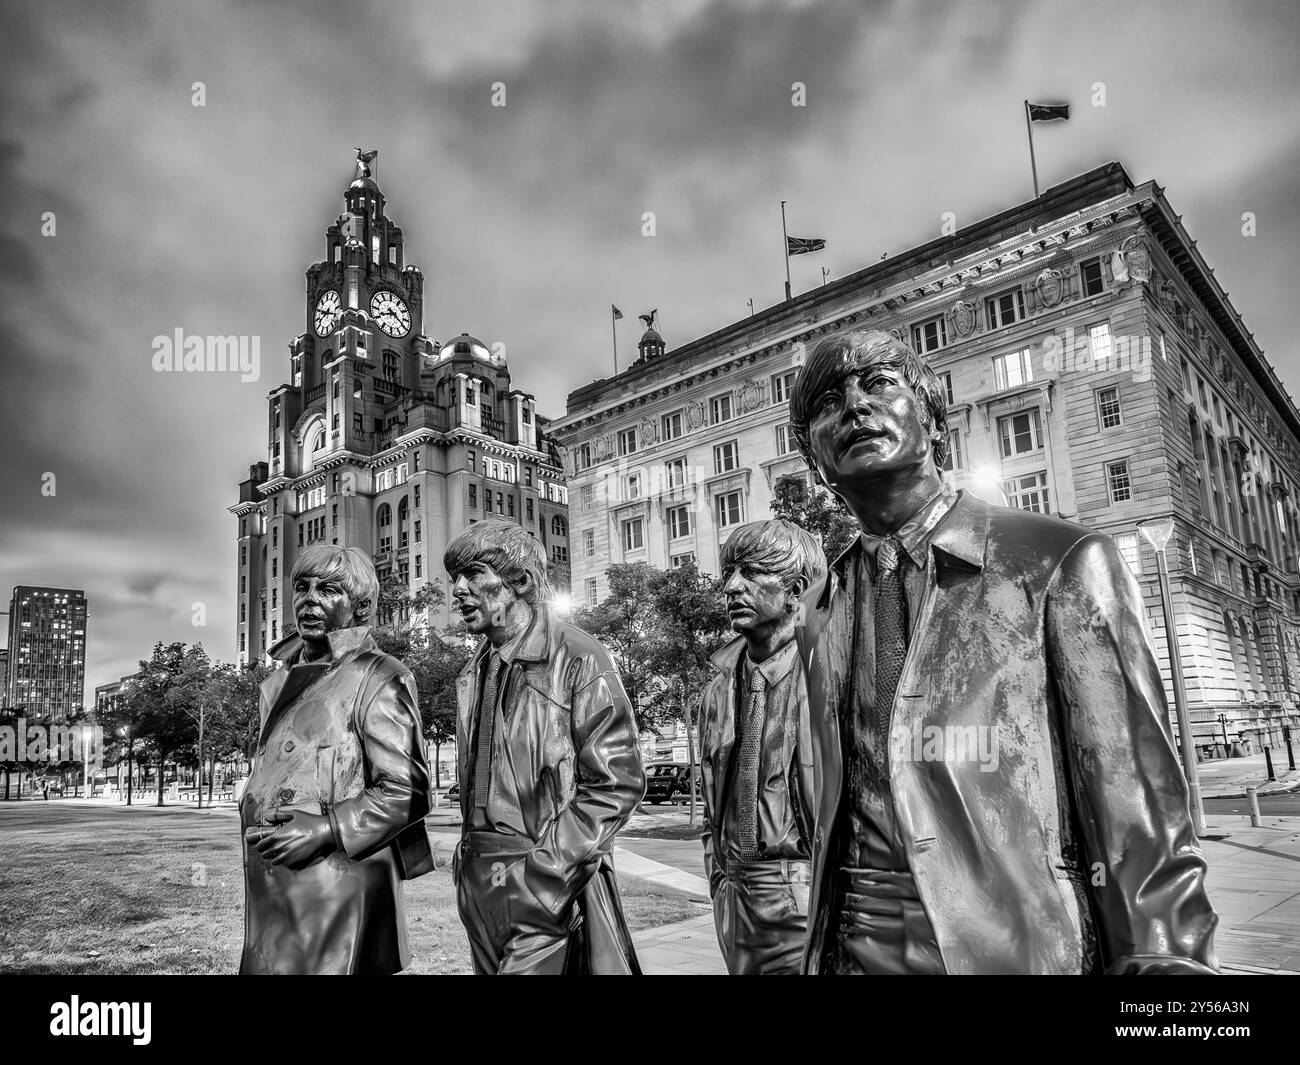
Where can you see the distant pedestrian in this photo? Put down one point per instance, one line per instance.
(45, 789)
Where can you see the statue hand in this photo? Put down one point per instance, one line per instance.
(299, 840)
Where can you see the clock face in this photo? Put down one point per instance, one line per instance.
(329, 309)
(390, 313)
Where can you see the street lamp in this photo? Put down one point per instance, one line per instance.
(125, 732)
(1156, 532)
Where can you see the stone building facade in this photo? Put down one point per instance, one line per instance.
(1095, 370)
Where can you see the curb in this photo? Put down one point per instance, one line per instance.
(1287, 789)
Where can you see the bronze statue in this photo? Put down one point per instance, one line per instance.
(364, 159)
(549, 770)
(996, 792)
(333, 813)
(756, 753)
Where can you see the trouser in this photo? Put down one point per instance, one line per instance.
(880, 926)
(760, 911)
(509, 930)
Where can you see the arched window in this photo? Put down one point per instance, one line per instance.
(384, 517)
(403, 514)
(319, 443)
(558, 527)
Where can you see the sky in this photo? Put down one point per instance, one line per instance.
(527, 218)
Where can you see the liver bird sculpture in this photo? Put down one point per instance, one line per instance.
(364, 159)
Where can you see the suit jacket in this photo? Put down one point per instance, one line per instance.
(566, 774)
(341, 737)
(718, 741)
(1075, 853)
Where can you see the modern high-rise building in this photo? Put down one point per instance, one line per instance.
(384, 438)
(1095, 369)
(47, 654)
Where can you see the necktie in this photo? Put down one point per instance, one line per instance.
(890, 622)
(487, 720)
(751, 745)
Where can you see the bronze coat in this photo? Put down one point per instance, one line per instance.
(340, 736)
(1077, 853)
(718, 739)
(568, 753)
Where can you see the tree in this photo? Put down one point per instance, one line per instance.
(690, 624)
(817, 510)
(624, 623)
(237, 722)
(158, 703)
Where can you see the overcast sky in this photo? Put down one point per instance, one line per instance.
(527, 219)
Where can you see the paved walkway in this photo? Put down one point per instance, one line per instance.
(1228, 778)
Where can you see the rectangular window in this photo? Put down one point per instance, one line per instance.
(945, 379)
(676, 472)
(1128, 547)
(487, 500)
(275, 566)
(726, 457)
(627, 442)
(720, 409)
(678, 561)
(1117, 479)
(417, 532)
(632, 486)
(528, 507)
(956, 460)
(1090, 278)
(671, 425)
(589, 543)
(730, 510)
(1013, 370)
(1099, 342)
(783, 442)
(929, 335)
(583, 457)
(1020, 433)
(1108, 410)
(419, 565)
(633, 534)
(1005, 308)
(589, 588)
(782, 383)
(528, 416)
(559, 553)
(510, 504)
(1029, 492)
(679, 522)
(528, 476)
(334, 516)
(587, 496)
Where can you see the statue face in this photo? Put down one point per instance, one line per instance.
(483, 598)
(868, 425)
(320, 605)
(754, 598)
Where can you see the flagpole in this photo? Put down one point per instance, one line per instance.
(613, 328)
(786, 239)
(1033, 163)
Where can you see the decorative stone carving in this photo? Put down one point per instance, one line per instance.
(649, 432)
(604, 447)
(963, 318)
(752, 396)
(1137, 258)
(694, 414)
(1050, 286)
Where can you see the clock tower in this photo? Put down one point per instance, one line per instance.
(382, 438)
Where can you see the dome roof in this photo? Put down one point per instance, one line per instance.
(364, 183)
(465, 345)
(651, 336)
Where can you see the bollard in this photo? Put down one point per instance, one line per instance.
(1268, 762)
(1290, 754)
(1253, 795)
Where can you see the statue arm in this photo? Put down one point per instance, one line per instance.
(1144, 868)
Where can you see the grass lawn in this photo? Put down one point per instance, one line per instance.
(101, 890)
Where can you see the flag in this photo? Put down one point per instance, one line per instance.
(617, 313)
(1048, 112)
(803, 245)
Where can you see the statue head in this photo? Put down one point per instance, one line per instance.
(333, 588)
(867, 409)
(498, 577)
(766, 567)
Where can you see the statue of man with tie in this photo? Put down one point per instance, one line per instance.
(997, 791)
(756, 753)
(549, 769)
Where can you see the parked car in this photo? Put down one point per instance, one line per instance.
(453, 792)
(667, 782)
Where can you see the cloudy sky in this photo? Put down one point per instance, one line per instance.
(527, 219)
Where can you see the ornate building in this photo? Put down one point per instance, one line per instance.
(1095, 370)
(46, 675)
(383, 438)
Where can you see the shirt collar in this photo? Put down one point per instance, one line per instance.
(914, 534)
(531, 645)
(776, 667)
(341, 641)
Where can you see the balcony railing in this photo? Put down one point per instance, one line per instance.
(315, 392)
